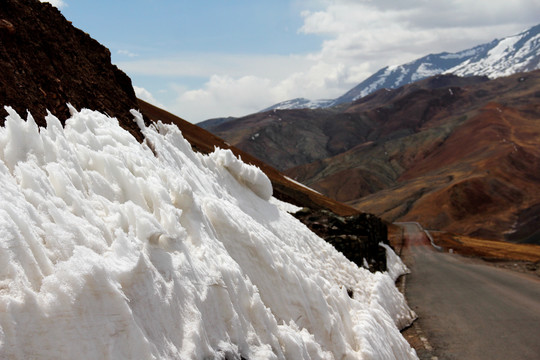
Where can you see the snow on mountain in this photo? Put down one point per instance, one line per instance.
(498, 58)
(114, 249)
(391, 77)
(508, 56)
(495, 59)
(300, 103)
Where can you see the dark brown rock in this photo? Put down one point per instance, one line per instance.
(47, 63)
(356, 236)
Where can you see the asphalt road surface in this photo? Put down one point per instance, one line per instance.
(469, 310)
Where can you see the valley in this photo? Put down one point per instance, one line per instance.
(456, 154)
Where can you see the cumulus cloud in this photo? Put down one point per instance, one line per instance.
(358, 37)
(224, 95)
(386, 32)
(58, 3)
(146, 95)
(238, 85)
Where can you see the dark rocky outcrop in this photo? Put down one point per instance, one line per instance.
(356, 236)
(46, 62)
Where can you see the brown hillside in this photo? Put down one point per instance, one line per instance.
(495, 175)
(454, 153)
(477, 182)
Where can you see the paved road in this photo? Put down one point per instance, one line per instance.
(469, 310)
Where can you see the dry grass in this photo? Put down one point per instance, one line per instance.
(487, 249)
(474, 247)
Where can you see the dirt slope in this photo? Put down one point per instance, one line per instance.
(482, 181)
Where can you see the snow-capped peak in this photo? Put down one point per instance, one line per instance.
(510, 55)
(299, 103)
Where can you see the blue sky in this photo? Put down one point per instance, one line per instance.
(214, 58)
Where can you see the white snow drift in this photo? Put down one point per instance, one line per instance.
(112, 249)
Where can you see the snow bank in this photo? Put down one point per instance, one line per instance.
(395, 266)
(112, 249)
(249, 175)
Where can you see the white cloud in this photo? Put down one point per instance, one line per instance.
(224, 95)
(58, 3)
(358, 38)
(127, 53)
(145, 95)
(240, 84)
(385, 32)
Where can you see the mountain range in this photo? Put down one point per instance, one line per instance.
(500, 57)
(456, 153)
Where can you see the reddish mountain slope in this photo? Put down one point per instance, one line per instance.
(480, 182)
(456, 154)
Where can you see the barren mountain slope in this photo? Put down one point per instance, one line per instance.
(483, 181)
(288, 138)
(410, 153)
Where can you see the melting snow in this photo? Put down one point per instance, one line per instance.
(114, 249)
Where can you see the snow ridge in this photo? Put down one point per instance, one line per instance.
(498, 58)
(299, 103)
(513, 54)
(114, 249)
(508, 56)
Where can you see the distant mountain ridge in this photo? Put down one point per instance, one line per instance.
(447, 151)
(301, 103)
(510, 55)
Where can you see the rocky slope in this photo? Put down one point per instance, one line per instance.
(46, 63)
